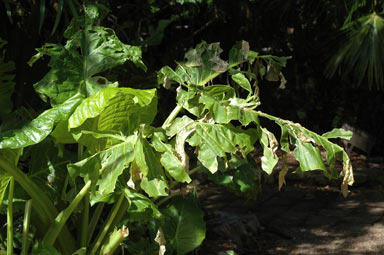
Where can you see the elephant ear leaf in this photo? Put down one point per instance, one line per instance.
(74, 67)
(184, 227)
(40, 127)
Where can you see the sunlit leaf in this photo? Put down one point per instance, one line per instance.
(214, 140)
(169, 160)
(338, 133)
(153, 181)
(39, 128)
(74, 67)
(104, 168)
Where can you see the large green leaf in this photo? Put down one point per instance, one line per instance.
(104, 167)
(74, 66)
(141, 208)
(116, 106)
(39, 128)
(112, 110)
(6, 83)
(214, 140)
(153, 181)
(184, 227)
(169, 159)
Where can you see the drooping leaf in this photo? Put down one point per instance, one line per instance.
(153, 181)
(104, 167)
(169, 160)
(141, 208)
(214, 140)
(309, 156)
(226, 110)
(39, 128)
(338, 133)
(240, 79)
(184, 227)
(270, 145)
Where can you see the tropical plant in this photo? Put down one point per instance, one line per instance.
(94, 164)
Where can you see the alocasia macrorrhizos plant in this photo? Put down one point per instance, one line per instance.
(130, 184)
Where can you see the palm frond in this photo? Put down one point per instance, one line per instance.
(360, 54)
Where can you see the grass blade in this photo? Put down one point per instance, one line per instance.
(27, 217)
(58, 15)
(10, 217)
(42, 14)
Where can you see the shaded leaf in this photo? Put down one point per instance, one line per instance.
(141, 208)
(184, 227)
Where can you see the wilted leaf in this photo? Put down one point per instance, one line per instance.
(269, 144)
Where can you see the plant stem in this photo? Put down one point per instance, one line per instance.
(172, 116)
(107, 225)
(94, 220)
(10, 217)
(84, 223)
(27, 217)
(63, 216)
(114, 240)
(85, 213)
(42, 204)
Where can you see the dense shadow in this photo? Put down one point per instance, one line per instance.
(308, 217)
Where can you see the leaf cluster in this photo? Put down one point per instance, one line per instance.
(96, 163)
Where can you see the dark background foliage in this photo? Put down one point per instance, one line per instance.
(309, 31)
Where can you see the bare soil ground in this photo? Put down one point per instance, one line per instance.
(309, 216)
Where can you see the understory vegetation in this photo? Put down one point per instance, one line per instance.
(109, 168)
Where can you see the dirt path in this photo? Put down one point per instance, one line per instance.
(302, 219)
